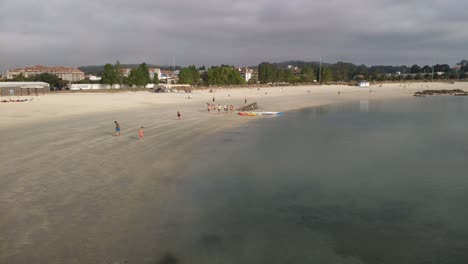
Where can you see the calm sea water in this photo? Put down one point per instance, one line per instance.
(367, 182)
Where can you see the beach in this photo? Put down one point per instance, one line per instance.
(70, 192)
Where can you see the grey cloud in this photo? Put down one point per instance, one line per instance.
(244, 32)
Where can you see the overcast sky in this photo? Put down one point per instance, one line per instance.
(241, 32)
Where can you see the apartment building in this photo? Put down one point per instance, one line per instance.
(64, 73)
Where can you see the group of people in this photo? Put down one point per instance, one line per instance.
(219, 107)
(141, 133)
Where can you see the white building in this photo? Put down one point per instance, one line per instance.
(155, 72)
(92, 86)
(126, 72)
(246, 73)
(363, 84)
(23, 88)
(247, 76)
(94, 78)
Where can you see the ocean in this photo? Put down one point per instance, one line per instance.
(374, 182)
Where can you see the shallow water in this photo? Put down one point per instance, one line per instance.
(367, 182)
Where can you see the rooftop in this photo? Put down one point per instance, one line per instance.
(55, 69)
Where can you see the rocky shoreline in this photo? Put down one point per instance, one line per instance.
(454, 92)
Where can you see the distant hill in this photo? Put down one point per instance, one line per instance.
(299, 63)
(99, 69)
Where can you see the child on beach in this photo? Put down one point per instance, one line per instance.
(178, 114)
(142, 133)
(117, 129)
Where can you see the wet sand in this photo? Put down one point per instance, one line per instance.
(70, 192)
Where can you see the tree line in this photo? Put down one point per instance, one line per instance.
(138, 76)
(272, 73)
(216, 75)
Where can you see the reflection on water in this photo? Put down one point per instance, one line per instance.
(364, 105)
(370, 182)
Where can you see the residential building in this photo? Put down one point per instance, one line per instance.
(169, 76)
(246, 73)
(64, 73)
(155, 72)
(126, 71)
(296, 70)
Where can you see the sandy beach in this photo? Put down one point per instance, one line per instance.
(70, 192)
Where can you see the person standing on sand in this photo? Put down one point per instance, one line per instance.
(142, 133)
(117, 129)
(219, 108)
(178, 114)
(213, 99)
(245, 100)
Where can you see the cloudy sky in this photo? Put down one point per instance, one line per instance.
(242, 32)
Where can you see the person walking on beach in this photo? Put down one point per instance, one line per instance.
(142, 133)
(213, 99)
(178, 114)
(245, 100)
(219, 107)
(117, 129)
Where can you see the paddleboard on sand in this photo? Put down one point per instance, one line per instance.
(260, 113)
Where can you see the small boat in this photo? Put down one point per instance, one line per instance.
(268, 113)
(246, 114)
(260, 113)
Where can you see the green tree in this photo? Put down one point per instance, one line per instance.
(140, 76)
(409, 77)
(415, 69)
(454, 75)
(223, 75)
(19, 78)
(284, 75)
(51, 79)
(326, 74)
(109, 76)
(155, 79)
(189, 75)
(267, 72)
(361, 70)
(343, 71)
(118, 72)
(307, 74)
(426, 69)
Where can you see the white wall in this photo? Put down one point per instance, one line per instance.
(92, 86)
